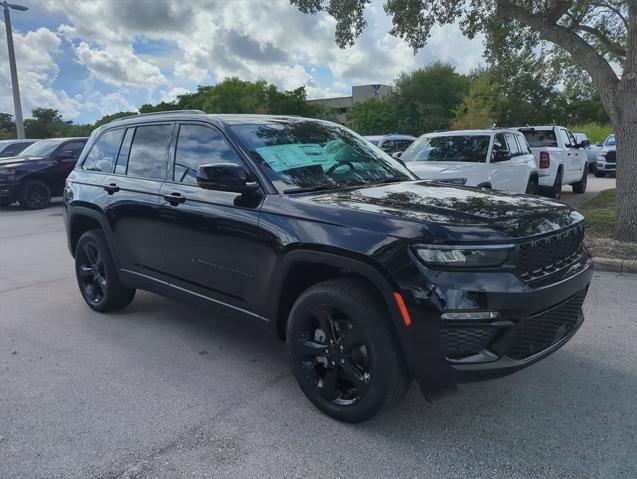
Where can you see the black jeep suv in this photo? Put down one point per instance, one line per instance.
(372, 276)
(38, 173)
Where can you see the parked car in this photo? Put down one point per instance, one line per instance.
(13, 147)
(391, 144)
(606, 161)
(372, 276)
(592, 149)
(498, 159)
(560, 158)
(38, 173)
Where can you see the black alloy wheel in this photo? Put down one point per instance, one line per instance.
(335, 356)
(343, 351)
(35, 195)
(97, 275)
(92, 273)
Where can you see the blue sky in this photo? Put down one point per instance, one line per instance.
(92, 58)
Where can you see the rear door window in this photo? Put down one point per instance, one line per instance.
(512, 145)
(122, 158)
(148, 156)
(104, 151)
(199, 145)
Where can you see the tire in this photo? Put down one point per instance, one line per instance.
(361, 372)
(97, 275)
(580, 186)
(35, 195)
(532, 186)
(556, 189)
(599, 174)
(4, 202)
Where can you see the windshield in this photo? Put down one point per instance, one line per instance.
(610, 141)
(540, 138)
(41, 148)
(310, 154)
(469, 148)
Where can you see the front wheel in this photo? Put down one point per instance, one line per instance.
(97, 275)
(580, 186)
(35, 195)
(342, 351)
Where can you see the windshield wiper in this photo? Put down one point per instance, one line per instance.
(391, 180)
(307, 189)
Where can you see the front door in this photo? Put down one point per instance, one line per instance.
(210, 237)
(500, 171)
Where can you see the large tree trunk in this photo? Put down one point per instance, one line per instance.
(626, 136)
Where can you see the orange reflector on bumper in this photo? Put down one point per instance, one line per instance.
(403, 309)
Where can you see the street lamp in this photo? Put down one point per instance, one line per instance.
(19, 124)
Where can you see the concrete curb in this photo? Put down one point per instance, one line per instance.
(626, 266)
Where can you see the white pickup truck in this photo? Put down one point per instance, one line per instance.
(561, 160)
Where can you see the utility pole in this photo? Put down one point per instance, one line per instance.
(19, 123)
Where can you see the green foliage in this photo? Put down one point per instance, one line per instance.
(108, 118)
(373, 117)
(480, 107)
(426, 99)
(596, 132)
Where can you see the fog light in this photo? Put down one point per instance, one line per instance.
(470, 315)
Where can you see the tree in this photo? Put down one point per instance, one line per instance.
(7, 126)
(108, 118)
(373, 117)
(598, 36)
(426, 99)
(481, 107)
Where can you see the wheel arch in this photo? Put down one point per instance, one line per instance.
(81, 219)
(300, 269)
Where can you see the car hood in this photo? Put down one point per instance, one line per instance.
(606, 149)
(15, 161)
(434, 210)
(433, 170)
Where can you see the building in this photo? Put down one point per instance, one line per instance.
(360, 93)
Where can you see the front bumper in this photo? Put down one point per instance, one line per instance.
(533, 322)
(605, 166)
(9, 190)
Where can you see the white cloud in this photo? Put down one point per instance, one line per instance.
(117, 65)
(37, 71)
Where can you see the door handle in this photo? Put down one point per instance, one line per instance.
(175, 198)
(112, 188)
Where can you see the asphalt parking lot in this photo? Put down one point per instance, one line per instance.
(165, 390)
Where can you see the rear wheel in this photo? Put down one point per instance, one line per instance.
(580, 186)
(556, 189)
(35, 195)
(532, 186)
(5, 202)
(599, 174)
(342, 351)
(97, 275)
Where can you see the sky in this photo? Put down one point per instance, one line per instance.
(97, 57)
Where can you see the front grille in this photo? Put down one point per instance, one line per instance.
(539, 258)
(611, 157)
(465, 341)
(536, 333)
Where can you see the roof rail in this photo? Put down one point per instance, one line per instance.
(165, 112)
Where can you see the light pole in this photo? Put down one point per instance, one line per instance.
(19, 124)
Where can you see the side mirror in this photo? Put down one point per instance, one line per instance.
(584, 144)
(501, 155)
(225, 177)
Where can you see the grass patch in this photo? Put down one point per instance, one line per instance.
(600, 214)
(596, 132)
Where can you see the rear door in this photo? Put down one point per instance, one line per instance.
(210, 237)
(131, 196)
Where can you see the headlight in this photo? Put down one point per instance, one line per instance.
(601, 156)
(463, 256)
